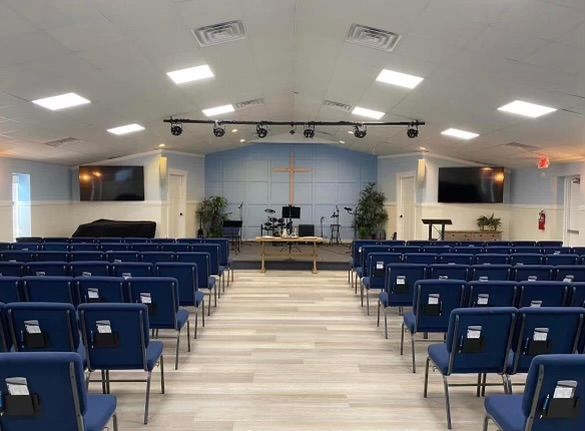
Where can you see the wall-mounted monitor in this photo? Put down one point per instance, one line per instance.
(471, 185)
(111, 183)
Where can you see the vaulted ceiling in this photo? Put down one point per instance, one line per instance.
(474, 55)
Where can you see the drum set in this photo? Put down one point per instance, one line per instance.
(273, 226)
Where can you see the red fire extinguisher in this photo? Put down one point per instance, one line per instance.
(541, 220)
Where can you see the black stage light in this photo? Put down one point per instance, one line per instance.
(412, 131)
(176, 129)
(261, 131)
(309, 131)
(360, 131)
(218, 130)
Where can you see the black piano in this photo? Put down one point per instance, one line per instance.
(116, 228)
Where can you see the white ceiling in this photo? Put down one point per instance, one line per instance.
(475, 56)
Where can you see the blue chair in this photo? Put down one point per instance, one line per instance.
(561, 259)
(491, 272)
(543, 293)
(25, 246)
(82, 239)
(79, 247)
(161, 296)
(47, 268)
(544, 331)
(570, 273)
(11, 269)
(449, 271)
(144, 246)
(356, 250)
(116, 337)
(136, 240)
(59, 239)
(161, 240)
(132, 269)
(423, 258)
(90, 269)
(525, 259)
(114, 246)
(174, 247)
(111, 239)
(52, 256)
(492, 258)
(5, 339)
(123, 256)
(406, 249)
(214, 258)
(56, 246)
(224, 255)
(579, 251)
(436, 249)
(29, 239)
(468, 249)
(4, 246)
(361, 270)
(186, 275)
(43, 327)
(10, 289)
(101, 289)
(158, 256)
(556, 250)
(76, 256)
(523, 243)
(537, 409)
(399, 290)
(497, 249)
(432, 304)
(478, 342)
(456, 258)
(205, 282)
(533, 272)
(49, 289)
(577, 294)
(527, 250)
(58, 397)
(18, 256)
(376, 264)
(492, 293)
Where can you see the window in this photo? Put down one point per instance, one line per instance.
(21, 219)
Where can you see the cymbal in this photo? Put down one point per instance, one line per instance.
(269, 211)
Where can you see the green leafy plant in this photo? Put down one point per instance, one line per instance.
(212, 215)
(492, 222)
(370, 214)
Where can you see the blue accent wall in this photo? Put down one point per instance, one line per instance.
(246, 175)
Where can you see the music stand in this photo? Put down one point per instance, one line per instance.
(432, 222)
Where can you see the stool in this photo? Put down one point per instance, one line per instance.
(335, 237)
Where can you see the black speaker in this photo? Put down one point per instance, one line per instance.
(306, 230)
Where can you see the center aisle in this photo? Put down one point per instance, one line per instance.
(293, 351)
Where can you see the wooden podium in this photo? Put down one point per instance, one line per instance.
(432, 222)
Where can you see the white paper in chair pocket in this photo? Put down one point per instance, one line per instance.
(540, 334)
(569, 278)
(93, 293)
(483, 299)
(484, 278)
(536, 303)
(103, 326)
(434, 298)
(17, 386)
(380, 264)
(32, 326)
(401, 280)
(532, 278)
(474, 332)
(127, 275)
(40, 273)
(145, 298)
(565, 389)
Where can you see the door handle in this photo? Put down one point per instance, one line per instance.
(400, 215)
(180, 214)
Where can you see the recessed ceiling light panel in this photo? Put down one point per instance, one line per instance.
(369, 113)
(62, 101)
(459, 134)
(399, 79)
(190, 74)
(218, 110)
(124, 130)
(526, 109)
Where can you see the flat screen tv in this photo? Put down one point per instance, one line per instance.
(111, 183)
(471, 185)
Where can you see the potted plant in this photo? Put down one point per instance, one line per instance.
(212, 215)
(370, 214)
(482, 222)
(495, 222)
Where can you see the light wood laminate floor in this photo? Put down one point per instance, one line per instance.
(289, 350)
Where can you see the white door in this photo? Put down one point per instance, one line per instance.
(405, 211)
(571, 230)
(177, 203)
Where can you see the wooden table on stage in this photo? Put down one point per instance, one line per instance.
(289, 241)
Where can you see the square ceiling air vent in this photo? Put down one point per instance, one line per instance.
(249, 103)
(219, 33)
(337, 105)
(372, 37)
(56, 143)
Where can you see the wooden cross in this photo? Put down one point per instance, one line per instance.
(292, 170)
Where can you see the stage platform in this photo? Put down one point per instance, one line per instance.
(331, 257)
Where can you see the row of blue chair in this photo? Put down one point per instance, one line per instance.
(502, 341)
(111, 239)
(114, 337)
(381, 276)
